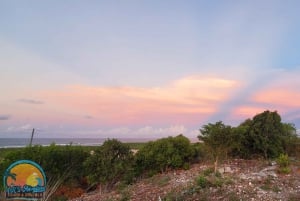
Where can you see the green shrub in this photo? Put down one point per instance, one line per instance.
(199, 152)
(284, 170)
(164, 154)
(208, 171)
(110, 164)
(186, 166)
(283, 160)
(218, 182)
(56, 161)
(202, 182)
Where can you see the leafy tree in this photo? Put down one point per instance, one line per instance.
(109, 164)
(164, 154)
(199, 152)
(217, 137)
(289, 139)
(238, 138)
(265, 134)
(64, 161)
(182, 153)
(289, 134)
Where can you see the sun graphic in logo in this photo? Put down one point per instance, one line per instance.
(25, 174)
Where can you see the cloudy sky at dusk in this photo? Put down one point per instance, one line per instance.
(142, 68)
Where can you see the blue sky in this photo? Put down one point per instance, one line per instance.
(145, 68)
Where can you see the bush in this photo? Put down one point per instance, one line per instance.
(216, 181)
(199, 152)
(208, 171)
(210, 179)
(283, 160)
(202, 182)
(164, 154)
(111, 163)
(284, 170)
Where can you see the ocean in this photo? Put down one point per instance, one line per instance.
(23, 142)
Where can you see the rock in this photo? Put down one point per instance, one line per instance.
(243, 176)
(225, 169)
(269, 169)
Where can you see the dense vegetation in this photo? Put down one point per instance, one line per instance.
(164, 154)
(262, 136)
(109, 164)
(112, 163)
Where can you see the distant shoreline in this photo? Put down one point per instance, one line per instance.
(23, 142)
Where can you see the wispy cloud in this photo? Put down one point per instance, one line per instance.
(31, 101)
(284, 91)
(19, 128)
(187, 100)
(278, 91)
(241, 100)
(4, 117)
(139, 132)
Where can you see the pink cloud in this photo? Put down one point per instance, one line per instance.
(282, 97)
(282, 94)
(244, 112)
(188, 100)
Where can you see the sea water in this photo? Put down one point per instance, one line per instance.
(23, 142)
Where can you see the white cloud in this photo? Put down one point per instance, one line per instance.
(19, 128)
(123, 131)
(126, 132)
(160, 132)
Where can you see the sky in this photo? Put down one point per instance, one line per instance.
(145, 69)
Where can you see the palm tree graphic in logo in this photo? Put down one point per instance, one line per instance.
(8, 174)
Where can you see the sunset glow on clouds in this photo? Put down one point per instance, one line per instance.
(284, 91)
(188, 100)
(281, 93)
(145, 69)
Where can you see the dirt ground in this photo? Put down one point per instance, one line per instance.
(239, 180)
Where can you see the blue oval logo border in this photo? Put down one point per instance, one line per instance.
(24, 189)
